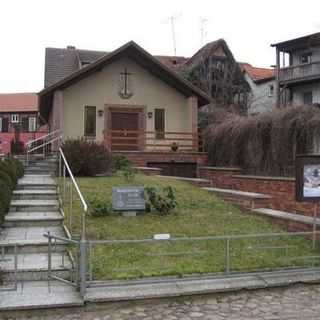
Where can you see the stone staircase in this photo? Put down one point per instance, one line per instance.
(34, 210)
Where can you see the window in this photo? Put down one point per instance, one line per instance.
(307, 98)
(32, 125)
(90, 121)
(271, 90)
(159, 123)
(14, 118)
(306, 57)
(4, 124)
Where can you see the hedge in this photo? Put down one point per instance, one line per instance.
(10, 171)
(265, 144)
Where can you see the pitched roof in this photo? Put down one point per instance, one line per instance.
(61, 62)
(18, 102)
(257, 74)
(211, 48)
(141, 57)
(301, 42)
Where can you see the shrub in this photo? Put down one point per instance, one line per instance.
(86, 158)
(7, 179)
(2, 212)
(100, 208)
(129, 173)
(5, 195)
(163, 202)
(8, 167)
(120, 162)
(266, 143)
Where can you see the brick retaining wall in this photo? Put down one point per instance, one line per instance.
(281, 189)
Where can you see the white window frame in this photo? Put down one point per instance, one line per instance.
(32, 124)
(15, 118)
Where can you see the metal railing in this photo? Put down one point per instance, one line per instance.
(43, 143)
(67, 183)
(222, 254)
(12, 258)
(218, 255)
(300, 71)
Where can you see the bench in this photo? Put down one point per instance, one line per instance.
(249, 200)
(292, 220)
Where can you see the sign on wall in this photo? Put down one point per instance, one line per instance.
(128, 198)
(308, 178)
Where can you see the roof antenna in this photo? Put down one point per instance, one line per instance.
(172, 19)
(203, 32)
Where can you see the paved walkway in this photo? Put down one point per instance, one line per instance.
(295, 302)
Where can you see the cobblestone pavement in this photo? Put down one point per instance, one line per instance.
(295, 302)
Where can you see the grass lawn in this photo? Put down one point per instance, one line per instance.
(199, 213)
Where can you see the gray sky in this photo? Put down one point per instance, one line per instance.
(249, 27)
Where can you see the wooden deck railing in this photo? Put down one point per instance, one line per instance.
(129, 140)
(300, 71)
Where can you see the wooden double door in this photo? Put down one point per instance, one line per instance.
(126, 129)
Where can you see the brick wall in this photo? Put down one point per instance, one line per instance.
(281, 189)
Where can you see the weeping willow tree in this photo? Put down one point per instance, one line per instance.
(266, 143)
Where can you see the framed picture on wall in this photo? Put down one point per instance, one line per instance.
(308, 178)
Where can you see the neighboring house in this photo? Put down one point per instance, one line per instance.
(298, 71)
(126, 99)
(18, 119)
(262, 85)
(214, 70)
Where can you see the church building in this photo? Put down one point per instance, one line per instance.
(126, 99)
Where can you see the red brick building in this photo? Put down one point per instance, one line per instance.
(19, 119)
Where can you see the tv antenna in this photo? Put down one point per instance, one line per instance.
(172, 19)
(203, 32)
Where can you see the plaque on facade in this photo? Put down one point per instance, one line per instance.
(128, 199)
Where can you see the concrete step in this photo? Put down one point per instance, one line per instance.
(34, 205)
(30, 239)
(38, 295)
(33, 181)
(34, 266)
(33, 219)
(34, 195)
(199, 182)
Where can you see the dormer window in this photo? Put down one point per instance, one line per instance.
(306, 58)
(14, 118)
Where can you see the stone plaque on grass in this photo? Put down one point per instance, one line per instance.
(128, 199)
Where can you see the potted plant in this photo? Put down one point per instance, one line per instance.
(174, 146)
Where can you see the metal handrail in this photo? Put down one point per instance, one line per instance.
(75, 184)
(45, 144)
(42, 137)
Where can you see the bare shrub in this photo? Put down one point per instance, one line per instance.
(265, 143)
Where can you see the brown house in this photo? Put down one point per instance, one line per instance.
(126, 99)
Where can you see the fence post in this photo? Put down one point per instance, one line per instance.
(83, 267)
(227, 256)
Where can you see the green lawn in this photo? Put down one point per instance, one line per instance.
(199, 213)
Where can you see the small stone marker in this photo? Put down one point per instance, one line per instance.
(128, 200)
(161, 236)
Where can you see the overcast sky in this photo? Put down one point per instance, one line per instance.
(248, 26)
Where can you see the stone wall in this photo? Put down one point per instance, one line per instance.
(281, 189)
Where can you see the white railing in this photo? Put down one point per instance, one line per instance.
(44, 143)
(64, 168)
(300, 71)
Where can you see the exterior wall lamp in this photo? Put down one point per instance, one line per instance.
(100, 113)
(150, 114)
